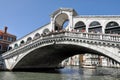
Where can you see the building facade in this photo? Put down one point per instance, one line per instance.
(89, 60)
(5, 40)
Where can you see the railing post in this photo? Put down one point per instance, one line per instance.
(81, 35)
(101, 36)
(86, 35)
(52, 35)
(66, 34)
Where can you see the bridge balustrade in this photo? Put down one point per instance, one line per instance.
(94, 36)
(76, 35)
(111, 37)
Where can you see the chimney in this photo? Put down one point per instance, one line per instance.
(5, 29)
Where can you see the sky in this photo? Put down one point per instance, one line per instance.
(24, 16)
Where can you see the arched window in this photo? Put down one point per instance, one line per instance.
(37, 35)
(112, 28)
(22, 42)
(80, 26)
(9, 48)
(16, 45)
(95, 27)
(29, 39)
(46, 31)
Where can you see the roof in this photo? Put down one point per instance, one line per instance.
(98, 16)
(3, 33)
(64, 9)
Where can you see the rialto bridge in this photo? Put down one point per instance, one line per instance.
(66, 35)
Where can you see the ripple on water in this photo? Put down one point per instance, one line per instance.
(67, 73)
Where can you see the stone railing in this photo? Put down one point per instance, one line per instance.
(52, 36)
(105, 37)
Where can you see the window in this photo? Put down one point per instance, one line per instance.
(16, 45)
(46, 31)
(37, 35)
(10, 39)
(29, 39)
(22, 42)
(1, 37)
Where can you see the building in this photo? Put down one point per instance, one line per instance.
(89, 24)
(5, 39)
(86, 60)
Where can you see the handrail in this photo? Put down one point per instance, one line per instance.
(105, 37)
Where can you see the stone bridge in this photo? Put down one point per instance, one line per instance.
(50, 44)
(49, 50)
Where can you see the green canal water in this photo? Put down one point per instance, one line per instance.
(67, 73)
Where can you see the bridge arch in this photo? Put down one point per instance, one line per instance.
(29, 39)
(80, 25)
(10, 48)
(37, 35)
(16, 45)
(22, 42)
(50, 55)
(60, 20)
(95, 27)
(46, 31)
(112, 27)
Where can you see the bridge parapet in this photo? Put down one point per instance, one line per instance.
(112, 39)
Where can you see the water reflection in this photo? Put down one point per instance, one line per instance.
(68, 73)
(7, 76)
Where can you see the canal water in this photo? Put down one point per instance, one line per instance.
(67, 73)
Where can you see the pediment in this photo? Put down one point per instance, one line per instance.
(64, 9)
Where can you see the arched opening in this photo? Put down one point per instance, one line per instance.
(112, 28)
(37, 35)
(22, 42)
(46, 31)
(65, 24)
(9, 48)
(83, 60)
(16, 45)
(95, 27)
(61, 22)
(52, 55)
(80, 26)
(29, 39)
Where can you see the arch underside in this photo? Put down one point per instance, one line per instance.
(50, 56)
(60, 20)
